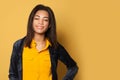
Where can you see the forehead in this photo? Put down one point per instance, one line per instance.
(42, 13)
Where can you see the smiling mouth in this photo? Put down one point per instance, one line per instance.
(39, 27)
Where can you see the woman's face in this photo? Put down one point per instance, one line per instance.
(41, 22)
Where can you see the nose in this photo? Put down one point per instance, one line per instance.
(40, 21)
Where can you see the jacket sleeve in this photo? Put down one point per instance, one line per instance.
(69, 62)
(13, 73)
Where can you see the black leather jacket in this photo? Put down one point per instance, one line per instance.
(15, 70)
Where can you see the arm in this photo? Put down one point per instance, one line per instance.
(69, 62)
(13, 74)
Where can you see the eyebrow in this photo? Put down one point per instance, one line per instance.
(39, 16)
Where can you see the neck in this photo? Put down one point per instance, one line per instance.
(39, 38)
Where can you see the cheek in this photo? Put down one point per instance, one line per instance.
(34, 22)
(47, 24)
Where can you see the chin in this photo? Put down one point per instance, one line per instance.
(40, 32)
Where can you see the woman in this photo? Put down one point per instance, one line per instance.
(35, 56)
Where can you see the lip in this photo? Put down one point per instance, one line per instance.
(40, 27)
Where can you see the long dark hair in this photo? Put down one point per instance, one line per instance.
(50, 33)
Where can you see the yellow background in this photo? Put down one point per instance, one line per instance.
(88, 29)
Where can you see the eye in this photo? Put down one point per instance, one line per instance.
(36, 18)
(46, 20)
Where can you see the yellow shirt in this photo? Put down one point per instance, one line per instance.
(36, 65)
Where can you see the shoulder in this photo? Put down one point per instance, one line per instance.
(19, 42)
(17, 46)
(61, 48)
